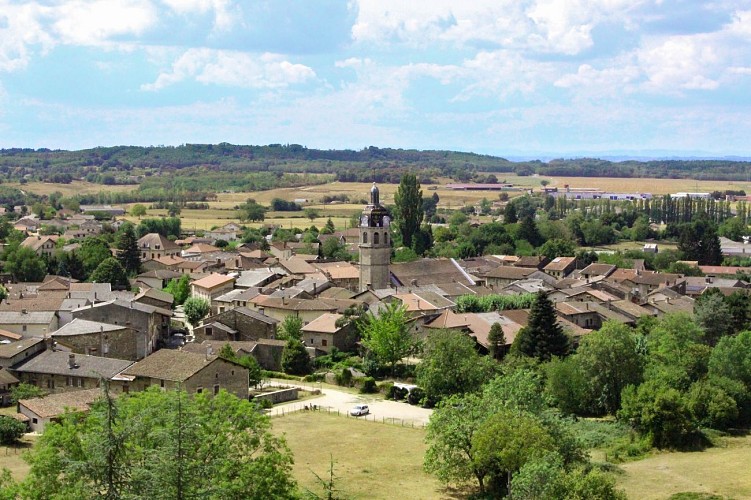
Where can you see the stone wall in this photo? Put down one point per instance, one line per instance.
(280, 396)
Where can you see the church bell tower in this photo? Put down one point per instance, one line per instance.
(375, 244)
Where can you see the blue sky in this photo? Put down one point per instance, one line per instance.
(506, 77)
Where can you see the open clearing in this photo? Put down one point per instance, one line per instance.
(653, 186)
(372, 460)
(11, 457)
(723, 470)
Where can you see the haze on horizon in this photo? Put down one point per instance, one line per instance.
(514, 78)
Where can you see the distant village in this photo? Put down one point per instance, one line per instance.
(65, 336)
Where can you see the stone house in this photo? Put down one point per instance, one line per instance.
(212, 286)
(7, 383)
(236, 324)
(156, 298)
(560, 267)
(42, 245)
(154, 321)
(154, 245)
(59, 371)
(29, 323)
(323, 334)
(268, 352)
(341, 274)
(15, 352)
(42, 411)
(102, 339)
(192, 372)
(505, 275)
(281, 307)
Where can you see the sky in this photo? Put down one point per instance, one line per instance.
(529, 78)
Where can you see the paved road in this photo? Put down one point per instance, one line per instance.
(399, 412)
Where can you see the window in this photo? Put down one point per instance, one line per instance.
(70, 381)
(126, 388)
(385, 237)
(375, 238)
(216, 375)
(216, 389)
(324, 342)
(364, 237)
(34, 421)
(199, 390)
(23, 327)
(312, 341)
(161, 384)
(209, 331)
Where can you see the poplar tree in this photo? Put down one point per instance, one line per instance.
(409, 212)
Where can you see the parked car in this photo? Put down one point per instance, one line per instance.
(359, 410)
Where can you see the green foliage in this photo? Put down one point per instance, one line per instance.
(179, 289)
(129, 254)
(451, 365)
(290, 328)
(93, 251)
(408, 213)
(11, 430)
(334, 249)
(138, 210)
(26, 391)
(295, 358)
(24, 264)
(111, 271)
(558, 248)
(659, 412)
(543, 337)
(387, 335)
(252, 211)
(162, 444)
(195, 309)
(368, 386)
(166, 226)
(493, 302)
(497, 341)
(711, 313)
(405, 254)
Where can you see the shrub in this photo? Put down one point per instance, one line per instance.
(386, 388)
(11, 430)
(368, 385)
(344, 377)
(416, 396)
(396, 393)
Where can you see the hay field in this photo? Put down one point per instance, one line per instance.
(74, 188)
(372, 460)
(653, 186)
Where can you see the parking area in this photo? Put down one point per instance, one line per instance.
(344, 401)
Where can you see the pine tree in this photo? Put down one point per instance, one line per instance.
(543, 337)
(129, 255)
(328, 228)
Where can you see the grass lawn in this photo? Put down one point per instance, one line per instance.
(722, 470)
(372, 460)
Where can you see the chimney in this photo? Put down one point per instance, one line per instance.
(209, 351)
(71, 361)
(24, 311)
(315, 288)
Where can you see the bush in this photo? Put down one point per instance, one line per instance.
(416, 396)
(368, 386)
(11, 430)
(385, 388)
(344, 377)
(396, 393)
(314, 377)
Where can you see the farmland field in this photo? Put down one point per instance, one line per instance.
(74, 188)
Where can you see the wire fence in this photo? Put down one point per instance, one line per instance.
(289, 409)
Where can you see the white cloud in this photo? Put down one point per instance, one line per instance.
(95, 23)
(557, 26)
(230, 68)
(611, 81)
(682, 62)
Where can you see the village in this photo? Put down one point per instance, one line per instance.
(68, 337)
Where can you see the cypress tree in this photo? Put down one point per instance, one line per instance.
(543, 337)
(409, 212)
(496, 340)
